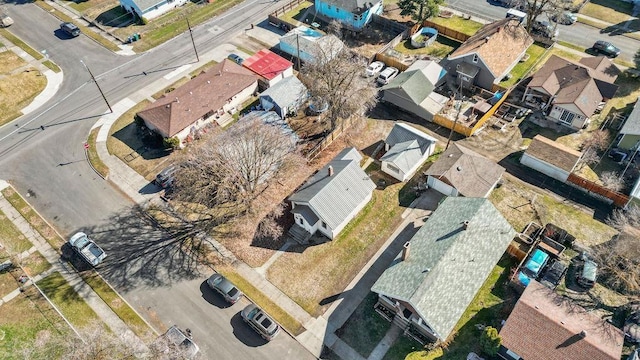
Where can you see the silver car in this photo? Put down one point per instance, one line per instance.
(225, 288)
(260, 322)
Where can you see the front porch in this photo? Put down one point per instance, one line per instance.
(405, 318)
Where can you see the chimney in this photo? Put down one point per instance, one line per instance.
(465, 225)
(583, 334)
(405, 250)
(330, 170)
(386, 146)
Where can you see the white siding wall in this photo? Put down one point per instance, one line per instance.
(578, 120)
(544, 167)
(394, 171)
(441, 187)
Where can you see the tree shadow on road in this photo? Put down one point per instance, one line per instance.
(143, 252)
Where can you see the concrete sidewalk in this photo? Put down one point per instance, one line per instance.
(75, 281)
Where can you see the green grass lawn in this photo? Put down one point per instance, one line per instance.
(23, 320)
(11, 238)
(365, 328)
(67, 300)
(612, 11)
(440, 48)
(33, 218)
(21, 44)
(294, 15)
(51, 65)
(457, 23)
(522, 69)
(121, 308)
(35, 264)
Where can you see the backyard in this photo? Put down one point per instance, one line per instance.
(439, 49)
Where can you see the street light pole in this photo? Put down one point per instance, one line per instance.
(192, 42)
(98, 85)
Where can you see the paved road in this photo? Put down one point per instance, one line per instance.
(579, 34)
(49, 165)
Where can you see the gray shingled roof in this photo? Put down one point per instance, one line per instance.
(333, 198)
(146, 4)
(632, 125)
(447, 265)
(407, 146)
(306, 213)
(286, 91)
(470, 173)
(414, 83)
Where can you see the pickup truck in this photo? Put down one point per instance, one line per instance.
(91, 252)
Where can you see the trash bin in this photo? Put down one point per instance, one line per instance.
(137, 35)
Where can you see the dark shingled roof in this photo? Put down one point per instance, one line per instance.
(553, 153)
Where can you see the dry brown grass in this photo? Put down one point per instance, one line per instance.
(9, 61)
(17, 91)
(520, 204)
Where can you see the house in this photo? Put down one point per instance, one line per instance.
(570, 92)
(406, 148)
(220, 89)
(412, 90)
(285, 97)
(490, 54)
(310, 45)
(149, 9)
(332, 196)
(557, 329)
(629, 136)
(269, 66)
(430, 284)
(352, 14)
(463, 172)
(551, 158)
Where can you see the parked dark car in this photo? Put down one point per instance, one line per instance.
(260, 322)
(225, 288)
(70, 29)
(236, 58)
(587, 271)
(606, 48)
(164, 179)
(554, 274)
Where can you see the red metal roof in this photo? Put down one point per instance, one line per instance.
(267, 64)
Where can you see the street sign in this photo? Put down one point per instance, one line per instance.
(86, 145)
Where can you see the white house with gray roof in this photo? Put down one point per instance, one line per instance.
(149, 9)
(430, 284)
(406, 149)
(285, 96)
(333, 196)
(629, 136)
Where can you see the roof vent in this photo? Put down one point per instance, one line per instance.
(583, 334)
(208, 81)
(405, 250)
(465, 225)
(190, 92)
(168, 106)
(459, 168)
(330, 170)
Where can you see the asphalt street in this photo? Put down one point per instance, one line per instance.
(579, 34)
(42, 155)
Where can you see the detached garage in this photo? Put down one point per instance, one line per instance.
(550, 158)
(463, 172)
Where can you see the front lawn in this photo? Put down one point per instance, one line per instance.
(365, 328)
(11, 238)
(332, 265)
(67, 300)
(611, 11)
(440, 48)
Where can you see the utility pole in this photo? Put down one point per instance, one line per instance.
(98, 85)
(192, 42)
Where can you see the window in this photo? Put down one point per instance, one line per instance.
(323, 224)
(567, 117)
(393, 168)
(301, 221)
(475, 58)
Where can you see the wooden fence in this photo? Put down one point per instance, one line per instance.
(450, 33)
(327, 140)
(617, 198)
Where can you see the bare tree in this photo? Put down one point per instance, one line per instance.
(598, 140)
(535, 8)
(335, 76)
(619, 261)
(589, 157)
(625, 219)
(612, 181)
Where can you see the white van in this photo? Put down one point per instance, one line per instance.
(516, 14)
(387, 75)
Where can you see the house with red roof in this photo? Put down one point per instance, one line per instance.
(269, 66)
(544, 325)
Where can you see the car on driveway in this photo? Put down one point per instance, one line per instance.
(164, 179)
(70, 29)
(224, 287)
(260, 322)
(235, 58)
(387, 75)
(606, 48)
(533, 267)
(374, 68)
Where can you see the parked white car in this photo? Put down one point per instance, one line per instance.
(91, 252)
(374, 68)
(387, 75)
